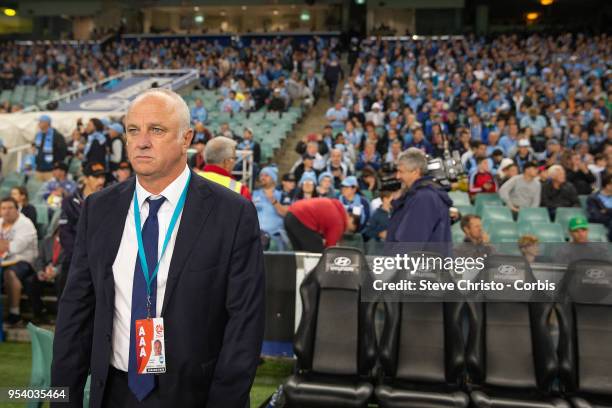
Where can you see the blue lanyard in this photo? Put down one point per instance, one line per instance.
(141, 254)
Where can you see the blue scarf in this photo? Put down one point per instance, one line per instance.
(47, 145)
(93, 137)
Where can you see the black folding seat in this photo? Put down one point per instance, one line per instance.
(422, 356)
(510, 356)
(335, 343)
(585, 326)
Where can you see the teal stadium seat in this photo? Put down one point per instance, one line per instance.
(459, 198)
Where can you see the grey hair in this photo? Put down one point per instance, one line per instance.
(413, 159)
(180, 106)
(555, 168)
(219, 149)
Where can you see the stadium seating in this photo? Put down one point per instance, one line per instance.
(585, 345)
(598, 233)
(459, 198)
(486, 199)
(565, 214)
(496, 214)
(536, 214)
(466, 209)
(42, 352)
(335, 343)
(422, 356)
(503, 232)
(546, 232)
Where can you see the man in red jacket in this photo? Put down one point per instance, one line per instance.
(317, 223)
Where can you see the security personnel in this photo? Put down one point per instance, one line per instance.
(95, 177)
(220, 158)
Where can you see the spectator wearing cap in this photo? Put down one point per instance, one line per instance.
(270, 208)
(95, 148)
(557, 192)
(524, 154)
(305, 165)
(578, 173)
(579, 230)
(482, 180)
(507, 169)
(376, 116)
(599, 205)
(123, 172)
(307, 186)
(288, 189)
(59, 185)
(248, 143)
(50, 148)
(220, 158)
(18, 249)
(116, 148)
(534, 120)
(93, 181)
(353, 202)
(325, 185)
(369, 157)
(523, 190)
(199, 114)
(337, 115)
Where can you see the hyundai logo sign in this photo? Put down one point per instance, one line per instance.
(342, 261)
(507, 270)
(595, 274)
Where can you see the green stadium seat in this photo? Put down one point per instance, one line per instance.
(547, 232)
(459, 198)
(42, 353)
(466, 209)
(457, 233)
(483, 200)
(503, 232)
(42, 215)
(33, 186)
(598, 233)
(537, 214)
(583, 199)
(497, 213)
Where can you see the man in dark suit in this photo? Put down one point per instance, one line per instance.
(208, 284)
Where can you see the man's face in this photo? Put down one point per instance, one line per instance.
(558, 176)
(474, 230)
(266, 180)
(96, 183)
(59, 174)
(158, 348)
(407, 176)
(483, 166)
(481, 151)
(523, 151)
(308, 162)
(9, 212)
(154, 145)
(198, 103)
(580, 236)
(531, 171)
(348, 192)
(336, 157)
(288, 185)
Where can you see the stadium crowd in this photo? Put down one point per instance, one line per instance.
(528, 117)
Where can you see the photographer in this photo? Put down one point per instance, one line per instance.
(421, 214)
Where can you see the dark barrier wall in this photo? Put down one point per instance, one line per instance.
(227, 39)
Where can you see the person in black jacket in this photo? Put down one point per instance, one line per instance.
(333, 74)
(578, 174)
(95, 177)
(95, 148)
(557, 192)
(20, 194)
(50, 148)
(599, 205)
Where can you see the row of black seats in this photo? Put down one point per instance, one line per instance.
(426, 357)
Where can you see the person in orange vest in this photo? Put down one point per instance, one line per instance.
(220, 158)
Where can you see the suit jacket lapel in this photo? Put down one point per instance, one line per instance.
(197, 208)
(114, 223)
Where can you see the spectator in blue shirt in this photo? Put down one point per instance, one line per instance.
(230, 104)
(198, 112)
(418, 141)
(369, 157)
(353, 202)
(270, 211)
(337, 115)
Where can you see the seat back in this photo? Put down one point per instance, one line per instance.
(533, 214)
(423, 342)
(42, 352)
(509, 344)
(336, 332)
(585, 322)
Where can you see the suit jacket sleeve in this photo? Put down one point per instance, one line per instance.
(74, 327)
(237, 362)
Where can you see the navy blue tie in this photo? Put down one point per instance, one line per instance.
(142, 384)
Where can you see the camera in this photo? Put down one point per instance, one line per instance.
(445, 170)
(388, 182)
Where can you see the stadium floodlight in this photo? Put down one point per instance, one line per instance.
(533, 16)
(275, 12)
(10, 12)
(546, 2)
(305, 16)
(360, 2)
(244, 8)
(199, 19)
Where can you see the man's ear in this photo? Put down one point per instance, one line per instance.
(187, 138)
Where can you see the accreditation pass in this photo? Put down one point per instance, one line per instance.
(150, 346)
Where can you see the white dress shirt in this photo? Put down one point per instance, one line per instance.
(125, 263)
